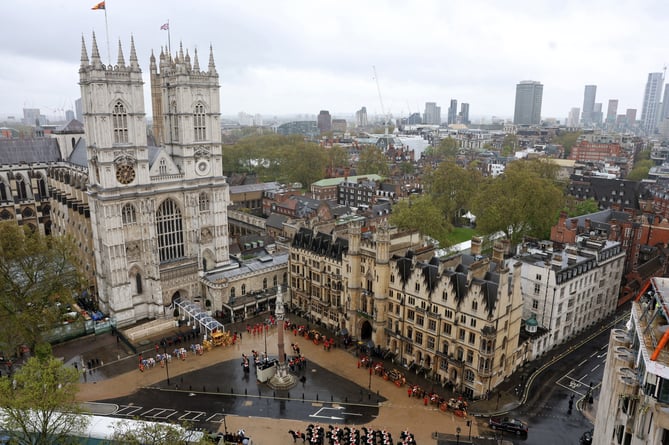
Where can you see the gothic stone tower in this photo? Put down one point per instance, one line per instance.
(158, 214)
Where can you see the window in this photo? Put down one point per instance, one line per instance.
(463, 318)
(204, 202)
(444, 296)
(243, 289)
(470, 357)
(120, 123)
(472, 338)
(419, 338)
(170, 231)
(444, 348)
(432, 324)
(448, 313)
(535, 304)
(199, 123)
(420, 320)
(410, 314)
(430, 343)
(410, 333)
(138, 283)
(417, 287)
(162, 167)
(232, 293)
(537, 288)
(461, 334)
(475, 305)
(174, 119)
(128, 214)
(275, 281)
(538, 277)
(447, 329)
(264, 283)
(472, 322)
(21, 190)
(408, 348)
(469, 375)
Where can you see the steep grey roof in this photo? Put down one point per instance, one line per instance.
(73, 126)
(276, 221)
(17, 151)
(78, 155)
(320, 243)
(153, 154)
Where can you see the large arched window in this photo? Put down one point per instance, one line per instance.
(3, 191)
(162, 167)
(41, 186)
(21, 190)
(120, 123)
(174, 122)
(128, 214)
(170, 231)
(199, 123)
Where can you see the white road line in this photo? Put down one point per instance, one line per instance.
(593, 369)
(218, 416)
(581, 364)
(192, 415)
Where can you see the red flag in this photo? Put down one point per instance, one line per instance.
(165, 27)
(100, 5)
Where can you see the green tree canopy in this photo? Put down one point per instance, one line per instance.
(275, 157)
(423, 215)
(520, 202)
(36, 273)
(640, 170)
(39, 402)
(372, 161)
(447, 149)
(337, 157)
(451, 188)
(581, 207)
(567, 140)
(155, 433)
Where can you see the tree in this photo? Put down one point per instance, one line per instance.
(520, 202)
(581, 207)
(509, 144)
(423, 215)
(37, 273)
(640, 170)
(155, 433)
(452, 187)
(372, 161)
(39, 402)
(337, 157)
(447, 149)
(304, 163)
(567, 140)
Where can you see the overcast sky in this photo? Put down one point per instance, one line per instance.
(291, 56)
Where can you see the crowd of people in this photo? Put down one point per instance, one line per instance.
(317, 435)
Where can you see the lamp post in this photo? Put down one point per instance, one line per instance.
(265, 329)
(457, 436)
(167, 367)
(370, 377)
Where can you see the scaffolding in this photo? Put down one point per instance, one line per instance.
(198, 315)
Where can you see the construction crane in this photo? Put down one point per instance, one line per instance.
(383, 111)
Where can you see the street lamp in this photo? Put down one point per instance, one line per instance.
(370, 377)
(167, 367)
(457, 436)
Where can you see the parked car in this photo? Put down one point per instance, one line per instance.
(586, 438)
(514, 426)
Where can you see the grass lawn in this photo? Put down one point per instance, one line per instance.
(460, 234)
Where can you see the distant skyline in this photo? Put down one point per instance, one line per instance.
(300, 57)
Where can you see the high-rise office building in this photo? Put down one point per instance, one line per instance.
(361, 117)
(572, 119)
(432, 114)
(527, 111)
(69, 115)
(453, 112)
(630, 116)
(588, 104)
(651, 102)
(464, 113)
(597, 115)
(664, 114)
(324, 121)
(612, 111)
(78, 110)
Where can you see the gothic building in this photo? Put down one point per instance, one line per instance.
(456, 319)
(158, 213)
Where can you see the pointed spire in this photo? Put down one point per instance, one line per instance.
(212, 67)
(95, 54)
(134, 63)
(181, 52)
(152, 62)
(196, 63)
(121, 60)
(84, 53)
(188, 66)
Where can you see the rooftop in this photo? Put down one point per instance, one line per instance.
(651, 322)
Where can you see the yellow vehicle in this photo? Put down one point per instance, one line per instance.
(218, 338)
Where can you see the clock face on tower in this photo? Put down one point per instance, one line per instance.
(125, 173)
(202, 167)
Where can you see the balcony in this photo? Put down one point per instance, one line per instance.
(489, 332)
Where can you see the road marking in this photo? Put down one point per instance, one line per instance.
(192, 415)
(574, 384)
(581, 364)
(216, 418)
(593, 369)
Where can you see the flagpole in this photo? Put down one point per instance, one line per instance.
(107, 29)
(169, 40)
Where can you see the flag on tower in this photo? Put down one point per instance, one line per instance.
(166, 26)
(100, 5)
